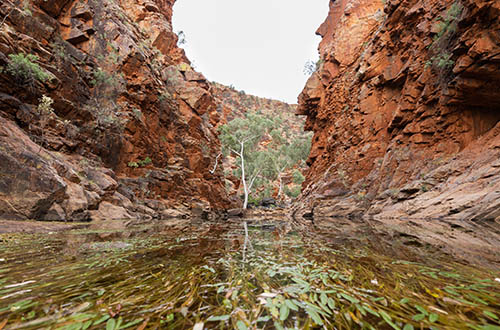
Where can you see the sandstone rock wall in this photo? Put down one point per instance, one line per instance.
(133, 131)
(405, 112)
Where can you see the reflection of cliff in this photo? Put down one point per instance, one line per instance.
(405, 112)
(133, 129)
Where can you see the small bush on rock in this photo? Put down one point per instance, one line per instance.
(25, 70)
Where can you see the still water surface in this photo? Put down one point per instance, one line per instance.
(207, 275)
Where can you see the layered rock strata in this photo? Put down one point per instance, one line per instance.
(405, 114)
(126, 129)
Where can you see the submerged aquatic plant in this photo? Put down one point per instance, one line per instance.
(208, 280)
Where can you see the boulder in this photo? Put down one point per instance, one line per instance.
(235, 212)
(29, 184)
(108, 211)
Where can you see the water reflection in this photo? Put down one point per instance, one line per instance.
(179, 274)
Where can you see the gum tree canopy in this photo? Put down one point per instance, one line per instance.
(263, 148)
(241, 136)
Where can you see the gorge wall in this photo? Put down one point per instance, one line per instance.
(127, 129)
(405, 114)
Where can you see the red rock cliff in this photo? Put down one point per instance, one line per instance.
(132, 131)
(405, 113)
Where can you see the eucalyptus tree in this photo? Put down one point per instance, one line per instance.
(241, 137)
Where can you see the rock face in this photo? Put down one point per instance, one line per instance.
(404, 112)
(131, 131)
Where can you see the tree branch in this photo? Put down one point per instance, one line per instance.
(216, 163)
(235, 152)
(253, 179)
(10, 12)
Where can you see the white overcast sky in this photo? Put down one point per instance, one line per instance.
(259, 46)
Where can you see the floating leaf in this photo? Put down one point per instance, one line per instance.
(218, 318)
(131, 324)
(490, 314)
(241, 325)
(421, 310)
(350, 298)
(314, 315)
(284, 312)
(291, 305)
(388, 319)
(264, 319)
(111, 324)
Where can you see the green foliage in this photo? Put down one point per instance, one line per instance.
(241, 136)
(133, 164)
(293, 192)
(102, 78)
(26, 8)
(265, 162)
(310, 67)
(137, 114)
(140, 163)
(25, 70)
(298, 177)
(145, 162)
(446, 27)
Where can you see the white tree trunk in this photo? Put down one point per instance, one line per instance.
(243, 177)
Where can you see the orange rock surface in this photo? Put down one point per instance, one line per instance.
(133, 131)
(405, 113)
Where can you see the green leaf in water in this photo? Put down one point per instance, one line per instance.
(404, 301)
(388, 319)
(291, 305)
(241, 325)
(209, 268)
(86, 325)
(102, 319)
(490, 314)
(315, 316)
(111, 324)
(421, 310)
(218, 318)
(284, 312)
(331, 303)
(433, 317)
(419, 317)
(350, 298)
(278, 326)
(324, 299)
(131, 324)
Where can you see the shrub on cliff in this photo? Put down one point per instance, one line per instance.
(25, 70)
